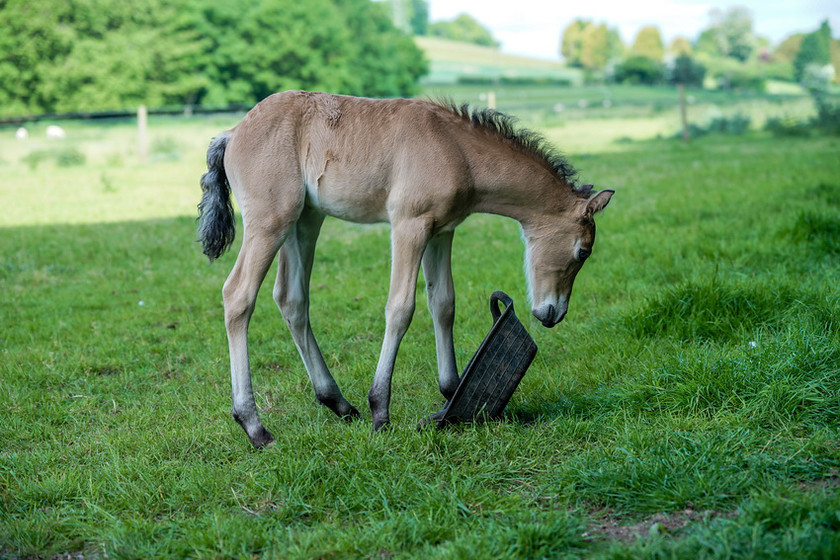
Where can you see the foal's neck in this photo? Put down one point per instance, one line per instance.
(516, 185)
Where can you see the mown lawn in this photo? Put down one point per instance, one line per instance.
(687, 407)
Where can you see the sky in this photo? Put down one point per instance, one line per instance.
(533, 27)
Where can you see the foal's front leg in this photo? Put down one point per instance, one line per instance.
(408, 241)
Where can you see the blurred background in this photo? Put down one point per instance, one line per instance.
(104, 84)
(185, 55)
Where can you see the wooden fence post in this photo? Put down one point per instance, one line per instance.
(142, 130)
(686, 135)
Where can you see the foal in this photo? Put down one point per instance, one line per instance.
(423, 167)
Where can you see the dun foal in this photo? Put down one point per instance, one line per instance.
(423, 167)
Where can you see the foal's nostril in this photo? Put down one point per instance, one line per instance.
(546, 315)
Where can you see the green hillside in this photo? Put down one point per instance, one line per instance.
(453, 62)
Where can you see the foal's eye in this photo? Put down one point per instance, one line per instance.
(583, 254)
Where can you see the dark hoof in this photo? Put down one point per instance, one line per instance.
(352, 415)
(430, 421)
(340, 407)
(263, 439)
(381, 425)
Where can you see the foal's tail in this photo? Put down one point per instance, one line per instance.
(216, 225)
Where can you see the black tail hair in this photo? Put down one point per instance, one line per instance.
(216, 224)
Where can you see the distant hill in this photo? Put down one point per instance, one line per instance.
(453, 62)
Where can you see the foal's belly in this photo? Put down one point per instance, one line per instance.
(360, 202)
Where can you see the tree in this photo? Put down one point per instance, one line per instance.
(640, 70)
(594, 53)
(418, 16)
(648, 44)
(410, 16)
(787, 49)
(687, 71)
(383, 61)
(600, 45)
(109, 54)
(586, 45)
(464, 28)
(59, 56)
(571, 42)
(814, 50)
(680, 46)
(729, 35)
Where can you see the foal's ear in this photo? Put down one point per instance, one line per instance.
(598, 203)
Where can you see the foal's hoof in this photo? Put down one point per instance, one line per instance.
(381, 425)
(262, 439)
(430, 421)
(351, 415)
(341, 408)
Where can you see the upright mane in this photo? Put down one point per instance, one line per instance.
(528, 141)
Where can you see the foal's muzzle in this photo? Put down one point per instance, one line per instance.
(549, 315)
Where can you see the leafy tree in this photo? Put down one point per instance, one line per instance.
(110, 54)
(464, 28)
(383, 61)
(835, 58)
(57, 56)
(571, 42)
(814, 50)
(787, 49)
(600, 46)
(687, 71)
(648, 44)
(680, 46)
(410, 16)
(729, 35)
(594, 53)
(640, 70)
(590, 46)
(418, 17)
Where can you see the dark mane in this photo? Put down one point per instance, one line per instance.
(528, 141)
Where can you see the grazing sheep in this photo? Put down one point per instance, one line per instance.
(55, 131)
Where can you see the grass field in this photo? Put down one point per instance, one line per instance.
(688, 406)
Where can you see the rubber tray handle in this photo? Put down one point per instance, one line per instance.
(499, 296)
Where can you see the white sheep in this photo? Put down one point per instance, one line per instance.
(21, 134)
(55, 131)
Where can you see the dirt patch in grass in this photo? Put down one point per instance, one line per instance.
(831, 481)
(606, 526)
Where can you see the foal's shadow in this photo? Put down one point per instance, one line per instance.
(538, 411)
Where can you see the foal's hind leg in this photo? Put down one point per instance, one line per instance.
(240, 294)
(440, 292)
(291, 292)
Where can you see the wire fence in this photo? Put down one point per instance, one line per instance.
(186, 110)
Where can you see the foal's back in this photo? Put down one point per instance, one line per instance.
(357, 159)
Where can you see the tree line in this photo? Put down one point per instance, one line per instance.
(88, 55)
(728, 52)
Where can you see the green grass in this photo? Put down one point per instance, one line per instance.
(688, 407)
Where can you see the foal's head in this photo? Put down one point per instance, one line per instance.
(556, 247)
